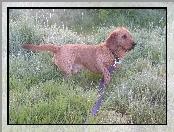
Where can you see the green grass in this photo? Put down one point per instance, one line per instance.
(136, 93)
(49, 103)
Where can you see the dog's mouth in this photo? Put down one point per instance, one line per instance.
(132, 48)
(129, 49)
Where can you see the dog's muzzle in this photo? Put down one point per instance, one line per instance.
(132, 47)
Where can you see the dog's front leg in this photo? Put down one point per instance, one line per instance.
(106, 75)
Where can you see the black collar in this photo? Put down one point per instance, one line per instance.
(115, 56)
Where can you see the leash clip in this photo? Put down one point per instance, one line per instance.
(117, 61)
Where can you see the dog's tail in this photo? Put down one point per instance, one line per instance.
(43, 47)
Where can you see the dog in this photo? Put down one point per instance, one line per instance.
(71, 58)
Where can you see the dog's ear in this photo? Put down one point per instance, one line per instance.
(112, 41)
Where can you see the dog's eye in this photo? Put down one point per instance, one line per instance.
(124, 36)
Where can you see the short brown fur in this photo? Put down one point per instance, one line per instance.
(71, 58)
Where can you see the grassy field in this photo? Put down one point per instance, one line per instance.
(136, 94)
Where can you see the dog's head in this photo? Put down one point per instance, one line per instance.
(120, 39)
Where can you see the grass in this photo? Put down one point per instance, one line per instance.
(136, 94)
(49, 103)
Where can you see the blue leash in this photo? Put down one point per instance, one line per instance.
(101, 87)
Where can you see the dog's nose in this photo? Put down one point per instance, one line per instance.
(133, 43)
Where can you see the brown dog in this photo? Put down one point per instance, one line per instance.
(71, 58)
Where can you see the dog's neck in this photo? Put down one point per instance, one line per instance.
(115, 53)
(115, 56)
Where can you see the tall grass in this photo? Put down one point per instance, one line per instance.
(136, 94)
